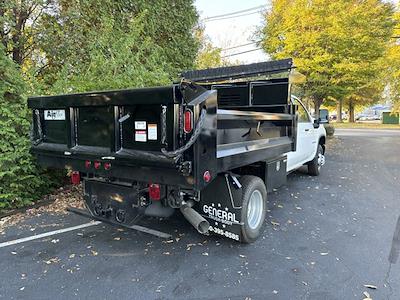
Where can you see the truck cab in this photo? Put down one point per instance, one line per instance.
(310, 142)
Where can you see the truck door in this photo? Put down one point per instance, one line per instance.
(305, 138)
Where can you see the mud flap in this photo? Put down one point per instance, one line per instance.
(220, 203)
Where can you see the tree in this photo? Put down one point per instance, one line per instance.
(393, 64)
(208, 55)
(169, 24)
(116, 58)
(18, 23)
(46, 34)
(336, 44)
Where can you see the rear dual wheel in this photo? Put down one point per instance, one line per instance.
(254, 208)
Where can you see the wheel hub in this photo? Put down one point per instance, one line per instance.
(321, 160)
(255, 209)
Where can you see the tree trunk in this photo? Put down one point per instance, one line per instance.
(317, 104)
(339, 109)
(351, 112)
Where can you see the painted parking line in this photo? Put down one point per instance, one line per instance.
(46, 234)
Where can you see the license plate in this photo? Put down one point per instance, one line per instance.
(54, 115)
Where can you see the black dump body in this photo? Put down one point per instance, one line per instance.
(136, 131)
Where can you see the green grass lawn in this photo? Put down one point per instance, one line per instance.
(370, 125)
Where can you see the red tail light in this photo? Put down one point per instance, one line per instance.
(97, 165)
(154, 191)
(75, 177)
(107, 166)
(207, 176)
(188, 121)
(88, 164)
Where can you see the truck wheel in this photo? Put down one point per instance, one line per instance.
(254, 207)
(314, 166)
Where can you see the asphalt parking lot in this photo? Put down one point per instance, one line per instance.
(326, 237)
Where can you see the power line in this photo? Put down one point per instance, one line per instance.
(235, 12)
(238, 46)
(235, 16)
(238, 53)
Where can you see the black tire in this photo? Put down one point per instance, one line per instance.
(314, 167)
(250, 184)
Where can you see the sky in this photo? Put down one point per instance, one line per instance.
(234, 31)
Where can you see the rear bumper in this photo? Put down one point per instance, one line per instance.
(164, 173)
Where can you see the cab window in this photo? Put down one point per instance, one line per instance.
(302, 112)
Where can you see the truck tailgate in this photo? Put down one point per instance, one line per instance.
(128, 124)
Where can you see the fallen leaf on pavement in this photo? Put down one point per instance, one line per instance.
(367, 296)
(52, 260)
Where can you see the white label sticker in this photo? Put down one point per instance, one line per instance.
(140, 125)
(51, 115)
(140, 136)
(152, 132)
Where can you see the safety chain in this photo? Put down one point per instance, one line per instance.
(192, 139)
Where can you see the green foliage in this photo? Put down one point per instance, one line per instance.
(164, 33)
(208, 55)
(393, 64)
(116, 58)
(21, 181)
(336, 44)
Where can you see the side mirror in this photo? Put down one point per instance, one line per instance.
(316, 123)
(323, 116)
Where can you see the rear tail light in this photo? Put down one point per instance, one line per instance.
(75, 177)
(207, 176)
(97, 165)
(107, 166)
(188, 121)
(154, 191)
(88, 164)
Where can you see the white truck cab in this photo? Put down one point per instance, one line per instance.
(310, 142)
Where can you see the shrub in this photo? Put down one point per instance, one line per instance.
(21, 181)
(330, 130)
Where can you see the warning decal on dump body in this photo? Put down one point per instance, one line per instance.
(152, 132)
(140, 125)
(140, 136)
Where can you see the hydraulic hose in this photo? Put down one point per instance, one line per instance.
(192, 140)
